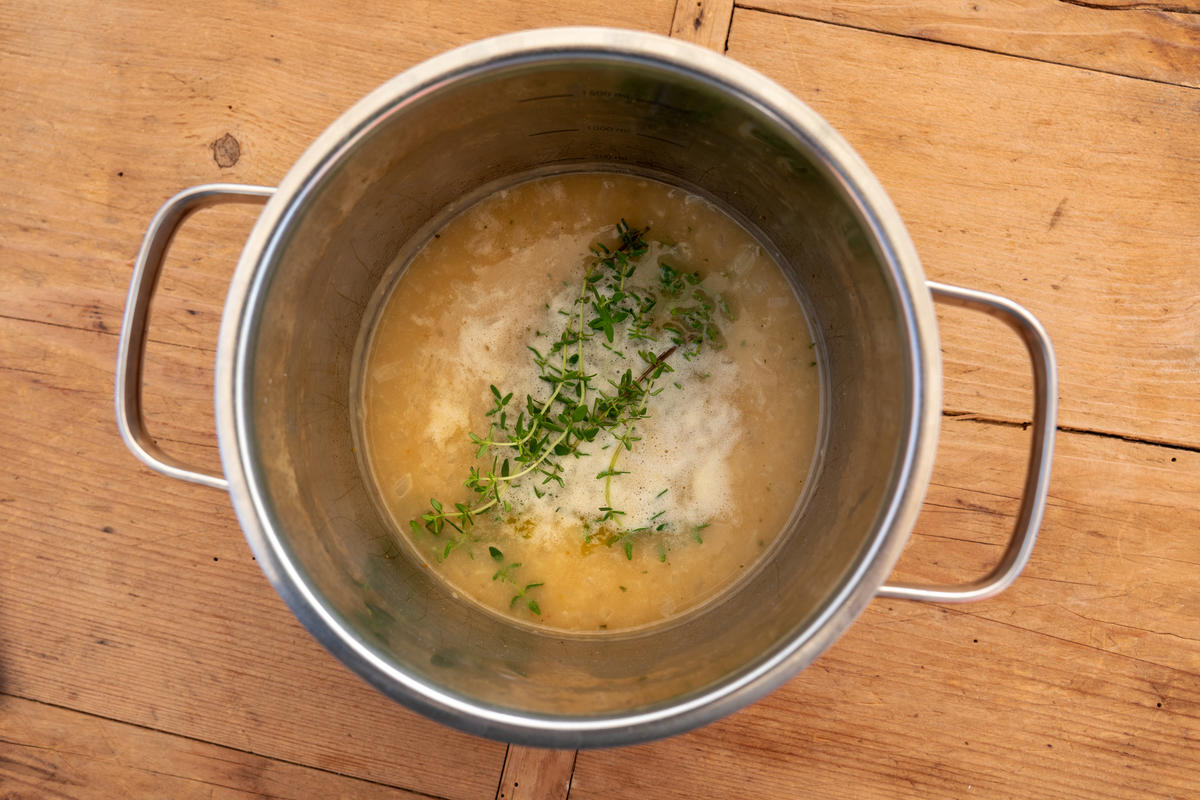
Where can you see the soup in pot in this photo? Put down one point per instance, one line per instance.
(590, 402)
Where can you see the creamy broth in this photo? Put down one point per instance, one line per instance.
(700, 486)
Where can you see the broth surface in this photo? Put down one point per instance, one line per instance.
(650, 517)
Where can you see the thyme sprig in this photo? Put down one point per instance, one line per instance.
(504, 574)
(528, 439)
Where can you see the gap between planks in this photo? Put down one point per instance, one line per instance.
(532, 773)
(965, 46)
(703, 22)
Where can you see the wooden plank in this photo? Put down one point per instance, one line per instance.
(703, 22)
(1069, 191)
(51, 752)
(1155, 40)
(136, 598)
(1081, 681)
(933, 714)
(1111, 567)
(532, 773)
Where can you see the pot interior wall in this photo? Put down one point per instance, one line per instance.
(424, 155)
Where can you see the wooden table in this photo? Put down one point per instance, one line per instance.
(1047, 151)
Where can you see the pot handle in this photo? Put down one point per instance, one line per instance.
(132, 344)
(1037, 477)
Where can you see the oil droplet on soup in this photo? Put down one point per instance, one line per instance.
(590, 402)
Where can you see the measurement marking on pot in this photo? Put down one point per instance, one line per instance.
(545, 97)
(661, 139)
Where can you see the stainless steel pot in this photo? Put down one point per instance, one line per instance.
(484, 116)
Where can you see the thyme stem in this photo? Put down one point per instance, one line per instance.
(545, 431)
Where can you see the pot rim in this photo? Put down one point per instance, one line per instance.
(893, 247)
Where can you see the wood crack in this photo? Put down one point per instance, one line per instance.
(960, 539)
(949, 413)
(213, 744)
(1187, 448)
(39, 786)
(976, 48)
(9, 368)
(208, 445)
(1134, 6)
(1126, 625)
(1127, 437)
(977, 615)
(85, 329)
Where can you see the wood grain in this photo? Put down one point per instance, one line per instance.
(140, 601)
(134, 598)
(1111, 567)
(1066, 190)
(703, 22)
(934, 710)
(1158, 41)
(1081, 681)
(114, 107)
(167, 622)
(536, 774)
(51, 752)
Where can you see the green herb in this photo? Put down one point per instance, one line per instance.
(502, 574)
(527, 438)
(532, 604)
